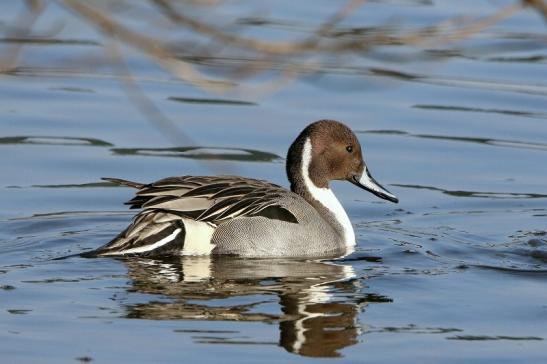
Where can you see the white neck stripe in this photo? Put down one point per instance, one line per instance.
(326, 197)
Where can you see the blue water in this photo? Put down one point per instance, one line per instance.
(455, 273)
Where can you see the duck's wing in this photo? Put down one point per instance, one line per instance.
(180, 214)
(210, 199)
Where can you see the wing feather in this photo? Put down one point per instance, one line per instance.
(209, 199)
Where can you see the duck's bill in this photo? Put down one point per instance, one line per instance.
(368, 183)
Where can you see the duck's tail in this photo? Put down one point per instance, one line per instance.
(155, 233)
(123, 182)
(150, 233)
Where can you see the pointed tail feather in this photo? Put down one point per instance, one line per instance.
(123, 182)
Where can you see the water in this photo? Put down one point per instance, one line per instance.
(455, 273)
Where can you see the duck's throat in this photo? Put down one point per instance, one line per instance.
(323, 199)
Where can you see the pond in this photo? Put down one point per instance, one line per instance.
(456, 272)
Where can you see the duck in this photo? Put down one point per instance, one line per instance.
(246, 217)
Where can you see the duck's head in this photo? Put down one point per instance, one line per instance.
(328, 150)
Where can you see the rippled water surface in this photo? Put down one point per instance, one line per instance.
(455, 273)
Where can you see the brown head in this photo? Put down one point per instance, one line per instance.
(328, 150)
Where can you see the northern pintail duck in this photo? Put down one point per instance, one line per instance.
(232, 215)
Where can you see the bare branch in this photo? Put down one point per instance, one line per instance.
(236, 57)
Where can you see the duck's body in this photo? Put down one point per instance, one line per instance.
(224, 215)
(232, 215)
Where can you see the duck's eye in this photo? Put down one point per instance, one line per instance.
(349, 148)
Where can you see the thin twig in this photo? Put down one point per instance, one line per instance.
(539, 5)
(149, 109)
(151, 46)
(25, 21)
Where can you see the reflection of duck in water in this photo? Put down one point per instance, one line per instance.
(319, 301)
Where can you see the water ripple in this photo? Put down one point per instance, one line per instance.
(205, 153)
(509, 143)
(53, 140)
(478, 194)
